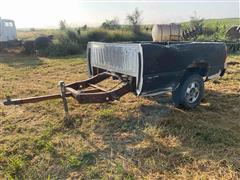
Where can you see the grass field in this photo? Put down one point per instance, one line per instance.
(134, 138)
(228, 22)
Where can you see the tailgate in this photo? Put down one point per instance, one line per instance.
(122, 58)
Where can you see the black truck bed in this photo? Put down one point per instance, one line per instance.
(157, 66)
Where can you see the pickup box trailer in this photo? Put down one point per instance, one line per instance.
(146, 69)
(157, 66)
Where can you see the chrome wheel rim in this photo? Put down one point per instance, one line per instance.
(192, 92)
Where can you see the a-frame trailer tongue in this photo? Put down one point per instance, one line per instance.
(80, 91)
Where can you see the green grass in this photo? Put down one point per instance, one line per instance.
(228, 22)
(134, 138)
(214, 29)
(106, 113)
(211, 23)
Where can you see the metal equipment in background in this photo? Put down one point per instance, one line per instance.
(166, 32)
(232, 36)
(8, 38)
(8, 34)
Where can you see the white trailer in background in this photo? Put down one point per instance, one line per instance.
(8, 33)
(7, 30)
(8, 38)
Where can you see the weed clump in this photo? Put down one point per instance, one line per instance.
(106, 114)
(15, 165)
(81, 161)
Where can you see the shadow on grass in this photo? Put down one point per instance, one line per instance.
(20, 60)
(203, 131)
(141, 141)
(83, 55)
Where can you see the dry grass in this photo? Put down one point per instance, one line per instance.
(30, 35)
(134, 138)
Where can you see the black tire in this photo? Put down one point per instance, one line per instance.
(189, 93)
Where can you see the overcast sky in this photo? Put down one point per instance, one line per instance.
(48, 13)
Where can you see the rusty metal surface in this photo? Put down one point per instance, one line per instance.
(78, 91)
(93, 80)
(8, 101)
(101, 97)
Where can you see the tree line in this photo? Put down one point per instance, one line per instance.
(133, 19)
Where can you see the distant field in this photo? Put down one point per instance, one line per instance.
(32, 34)
(71, 42)
(134, 138)
(29, 34)
(228, 22)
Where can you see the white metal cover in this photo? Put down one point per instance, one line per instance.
(7, 30)
(116, 57)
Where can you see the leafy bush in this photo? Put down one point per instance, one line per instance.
(66, 43)
(70, 42)
(72, 35)
(28, 46)
(42, 42)
(98, 35)
(208, 31)
(117, 36)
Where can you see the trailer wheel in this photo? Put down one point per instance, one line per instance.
(190, 92)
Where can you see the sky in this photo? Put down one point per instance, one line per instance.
(48, 13)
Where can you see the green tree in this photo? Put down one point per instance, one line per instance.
(196, 23)
(63, 25)
(111, 24)
(84, 28)
(134, 20)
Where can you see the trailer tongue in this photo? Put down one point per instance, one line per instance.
(86, 91)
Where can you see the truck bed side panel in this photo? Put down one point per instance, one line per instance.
(164, 66)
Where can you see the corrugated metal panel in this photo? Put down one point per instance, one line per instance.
(116, 57)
